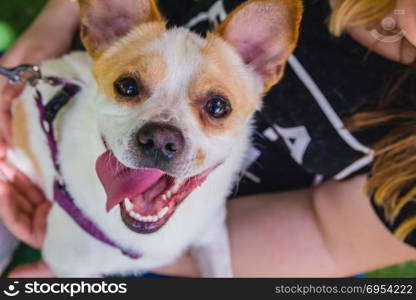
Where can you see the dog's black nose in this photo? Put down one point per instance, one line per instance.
(160, 141)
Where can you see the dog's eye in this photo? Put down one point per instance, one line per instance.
(218, 107)
(127, 87)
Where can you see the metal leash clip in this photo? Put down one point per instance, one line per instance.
(28, 74)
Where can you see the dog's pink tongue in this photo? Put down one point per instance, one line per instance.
(120, 182)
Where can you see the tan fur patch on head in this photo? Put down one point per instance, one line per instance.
(130, 58)
(219, 77)
(200, 158)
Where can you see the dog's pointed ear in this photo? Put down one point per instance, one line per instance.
(105, 21)
(265, 33)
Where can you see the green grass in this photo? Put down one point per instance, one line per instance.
(23, 255)
(18, 14)
(405, 271)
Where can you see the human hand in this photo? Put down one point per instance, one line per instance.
(24, 210)
(48, 37)
(23, 206)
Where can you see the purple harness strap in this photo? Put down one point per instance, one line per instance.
(61, 194)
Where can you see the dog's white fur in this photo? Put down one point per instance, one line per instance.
(199, 221)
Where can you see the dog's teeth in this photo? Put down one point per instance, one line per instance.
(163, 212)
(169, 194)
(128, 204)
(144, 219)
(179, 181)
(150, 219)
(175, 188)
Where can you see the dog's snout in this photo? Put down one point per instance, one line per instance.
(160, 141)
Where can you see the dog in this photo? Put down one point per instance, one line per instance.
(151, 145)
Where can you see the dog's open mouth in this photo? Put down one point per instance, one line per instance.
(147, 197)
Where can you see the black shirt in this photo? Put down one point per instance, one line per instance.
(300, 137)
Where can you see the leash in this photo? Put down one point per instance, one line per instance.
(31, 75)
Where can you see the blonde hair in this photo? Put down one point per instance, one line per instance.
(358, 12)
(392, 180)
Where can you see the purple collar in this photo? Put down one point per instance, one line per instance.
(47, 114)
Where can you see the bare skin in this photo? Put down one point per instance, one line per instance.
(330, 231)
(402, 50)
(327, 231)
(317, 232)
(48, 37)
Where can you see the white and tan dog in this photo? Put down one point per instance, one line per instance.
(151, 146)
